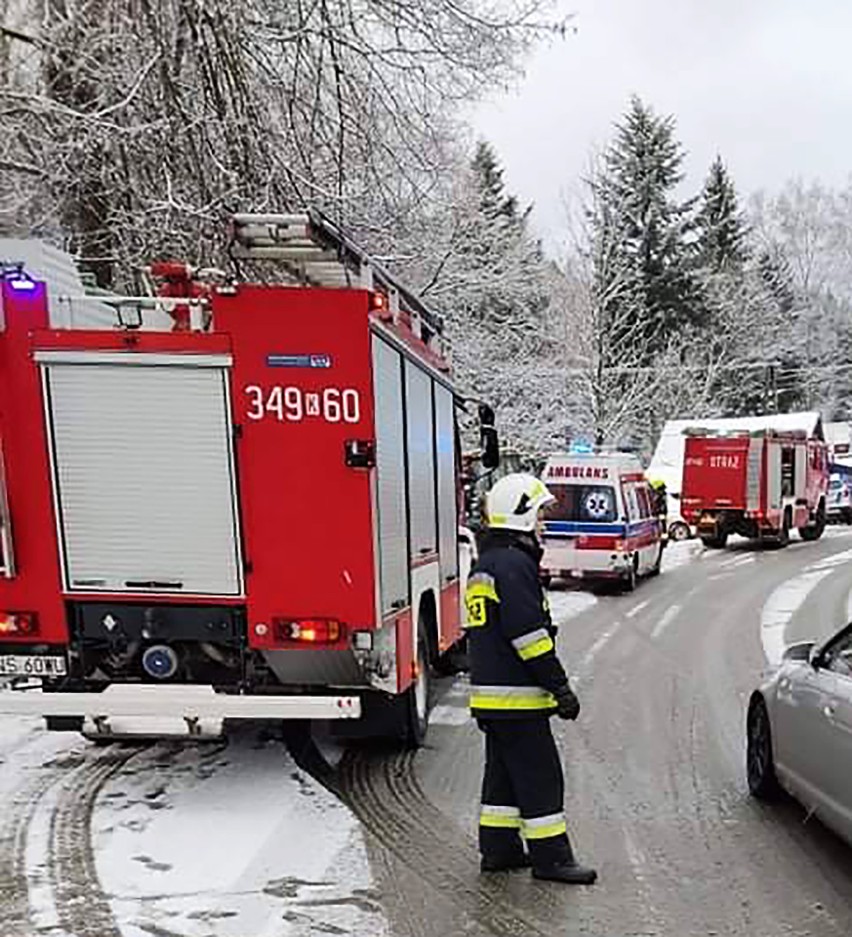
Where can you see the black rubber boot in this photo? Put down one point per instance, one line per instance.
(491, 864)
(569, 873)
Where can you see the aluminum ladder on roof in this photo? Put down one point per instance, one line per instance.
(316, 251)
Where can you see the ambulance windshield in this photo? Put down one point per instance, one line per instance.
(583, 503)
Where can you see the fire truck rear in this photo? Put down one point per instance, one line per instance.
(247, 510)
(757, 484)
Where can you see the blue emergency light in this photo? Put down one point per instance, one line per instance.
(581, 447)
(17, 277)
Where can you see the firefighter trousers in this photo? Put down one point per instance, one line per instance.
(523, 791)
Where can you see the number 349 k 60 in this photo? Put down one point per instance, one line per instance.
(292, 404)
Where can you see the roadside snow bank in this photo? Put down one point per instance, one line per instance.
(567, 605)
(230, 841)
(680, 552)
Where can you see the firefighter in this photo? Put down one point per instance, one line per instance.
(661, 506)
(517, 684)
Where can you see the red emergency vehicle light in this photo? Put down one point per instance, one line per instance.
(18, 623)
(308, 630)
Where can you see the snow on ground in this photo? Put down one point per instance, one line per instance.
(788, 598)
(680, 552)
(231, 841)
(174, 839)
(567, 604)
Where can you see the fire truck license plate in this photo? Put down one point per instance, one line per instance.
(23, 665)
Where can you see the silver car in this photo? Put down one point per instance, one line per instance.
(799, 729)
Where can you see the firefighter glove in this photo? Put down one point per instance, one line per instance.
(567, 704)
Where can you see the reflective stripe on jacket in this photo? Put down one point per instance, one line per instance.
(514, 669)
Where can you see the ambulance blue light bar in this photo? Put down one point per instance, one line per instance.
(581, 447)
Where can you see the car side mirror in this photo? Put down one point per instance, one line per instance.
(815, 657)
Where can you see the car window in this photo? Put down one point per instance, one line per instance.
(644, 502)
(629, 494)
(838, 656)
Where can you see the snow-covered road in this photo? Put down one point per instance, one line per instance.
(174, 839)
(206, 839)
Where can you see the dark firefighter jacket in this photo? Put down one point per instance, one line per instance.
(514, 670)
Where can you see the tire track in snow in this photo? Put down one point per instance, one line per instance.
(82, 906)
(21, 807)
(383, 792)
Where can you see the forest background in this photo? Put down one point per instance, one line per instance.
(131, 129)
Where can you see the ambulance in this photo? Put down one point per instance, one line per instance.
(602, 525)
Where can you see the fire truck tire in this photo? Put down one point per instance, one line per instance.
(416, 699)
(814, 531)
(716, 543)
(783, 538)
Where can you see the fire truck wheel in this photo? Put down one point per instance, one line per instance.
(814, 531)
(417, 695)
(716, 543)
(784, 534)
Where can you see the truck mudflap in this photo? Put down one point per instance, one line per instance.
(194, 705)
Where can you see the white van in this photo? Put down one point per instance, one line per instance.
(602, 525)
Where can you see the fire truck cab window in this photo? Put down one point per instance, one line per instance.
(788, 472)
(583, 503)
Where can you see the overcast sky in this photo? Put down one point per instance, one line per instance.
(766, 83)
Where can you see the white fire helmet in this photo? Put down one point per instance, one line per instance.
(515, 500)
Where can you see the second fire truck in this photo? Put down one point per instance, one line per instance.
(759, 483)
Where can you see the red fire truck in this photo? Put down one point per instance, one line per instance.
(759, 484)
(246, 508)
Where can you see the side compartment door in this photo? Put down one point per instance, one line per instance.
(447, 509)
(392, 547)
(420, 464)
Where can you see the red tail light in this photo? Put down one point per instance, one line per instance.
(18, 624)
(308, 630)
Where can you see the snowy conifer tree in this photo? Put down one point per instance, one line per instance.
(475, 260)
(635, 196)
(720, 227)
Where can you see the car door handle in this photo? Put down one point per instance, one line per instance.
(828, 712)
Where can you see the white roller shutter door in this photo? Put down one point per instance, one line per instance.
(144, 476)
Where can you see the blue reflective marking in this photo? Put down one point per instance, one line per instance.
(574, 527)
